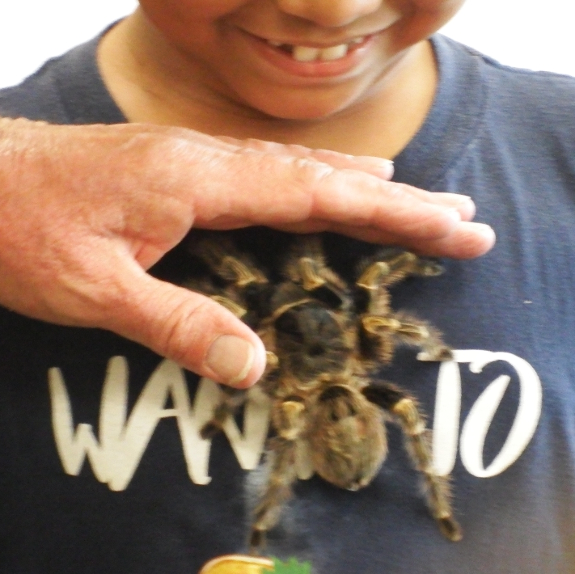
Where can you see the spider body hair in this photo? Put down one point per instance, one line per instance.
(325, 339)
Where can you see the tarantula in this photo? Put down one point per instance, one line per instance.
(325, 338)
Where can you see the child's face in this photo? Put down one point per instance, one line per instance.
(297, 59)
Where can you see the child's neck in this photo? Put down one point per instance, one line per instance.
(154, 87)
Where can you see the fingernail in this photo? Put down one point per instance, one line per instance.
(454, 214)
(230, 358)
(466, 208)
(385, 167)
(388, 169)
(487, 231)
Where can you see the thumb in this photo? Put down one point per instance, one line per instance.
(189, 328)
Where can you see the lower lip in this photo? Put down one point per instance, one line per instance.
(315, 69)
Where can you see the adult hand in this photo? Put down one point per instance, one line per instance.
(86, 210)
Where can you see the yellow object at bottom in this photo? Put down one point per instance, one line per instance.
(238, 564)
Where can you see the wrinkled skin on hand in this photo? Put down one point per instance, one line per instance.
(86, 210)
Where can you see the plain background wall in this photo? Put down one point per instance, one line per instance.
(536, 34)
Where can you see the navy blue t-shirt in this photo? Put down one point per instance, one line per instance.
(103, 468)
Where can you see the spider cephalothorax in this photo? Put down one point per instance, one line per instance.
(325, 339)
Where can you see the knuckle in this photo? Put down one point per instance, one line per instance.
(313, 174)
(164, 146)
(189, 329)
(178, 338)
(160, 148)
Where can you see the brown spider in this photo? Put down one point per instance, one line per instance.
(324, 340)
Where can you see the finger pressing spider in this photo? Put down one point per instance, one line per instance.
(325, 338)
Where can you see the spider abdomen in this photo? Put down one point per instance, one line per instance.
(347, 438)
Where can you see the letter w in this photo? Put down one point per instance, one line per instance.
(123, 440)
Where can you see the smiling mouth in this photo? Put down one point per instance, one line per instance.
(315, 54)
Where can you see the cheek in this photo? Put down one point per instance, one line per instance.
(438, 11)
(184, 21)
(438, 5)
(422, 18)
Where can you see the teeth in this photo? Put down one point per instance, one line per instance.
(311, 54)
(305, 53)
(333, 53)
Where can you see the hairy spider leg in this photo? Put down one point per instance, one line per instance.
(232, 400)
(410, 330)
(307, 268)
(227, 262)
(282, 468)
(380, 326)
(306, 265)
(237, 269)
(404, 410)
(388, 267)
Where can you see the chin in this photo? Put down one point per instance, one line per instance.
(300, 108)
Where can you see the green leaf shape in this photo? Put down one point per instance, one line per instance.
(292, 566)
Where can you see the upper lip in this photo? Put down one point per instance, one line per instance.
(315, 44)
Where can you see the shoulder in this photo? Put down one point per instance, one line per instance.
(516, 87)
(36, 98)
(526, 108)
(65, 90)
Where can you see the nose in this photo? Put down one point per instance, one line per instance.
(329, 13)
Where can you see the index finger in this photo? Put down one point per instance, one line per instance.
(280, 190)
